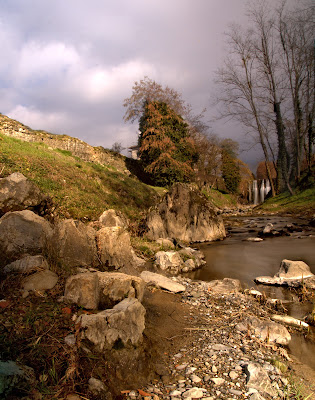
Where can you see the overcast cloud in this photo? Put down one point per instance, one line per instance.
(66, 66)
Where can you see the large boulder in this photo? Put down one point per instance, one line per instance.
(22, 233)
(17, 193)
(121, 325)
(73, 244)
(184, 214)
(291, 273)
(100, 290)
(115, 249)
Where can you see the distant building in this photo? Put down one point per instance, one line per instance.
(134, 150)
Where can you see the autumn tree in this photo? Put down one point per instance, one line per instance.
(166, 150)
(148, 90)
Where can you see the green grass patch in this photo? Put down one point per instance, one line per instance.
(79, 189)
(301, 200)
(219, 199)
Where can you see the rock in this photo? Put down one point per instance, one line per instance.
(193, 393)
(217, 381)
(266, 330)
(96, 386)
(162, 282)
(255, 293)
(17, 193)
(225, 286)
(70, 340)
(184, 214)
(43, 280)
(169, 261)
(115, 249)
(286, 319)
(195, 255)
(291, 273)
(73, 244)
(256, 396)
(294, 270)
(22, 233)
(257, 378)
(93, 290)
(116, 286)
(83, 290)
(166, 243)
(122, 324)
(111, 218)
(27, 265)
(254, 239)
(267, 229)
(14, 375)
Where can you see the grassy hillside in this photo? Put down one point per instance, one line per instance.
(79, 189)
(302, 201)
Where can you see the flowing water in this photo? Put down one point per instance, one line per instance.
(237, 258)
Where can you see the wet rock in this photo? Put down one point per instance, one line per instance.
(162, 281)
(122, 324)
(185, 214)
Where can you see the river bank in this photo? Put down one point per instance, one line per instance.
(202, 352)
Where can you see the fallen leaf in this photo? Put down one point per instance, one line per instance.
(4, 303)
(142, 393)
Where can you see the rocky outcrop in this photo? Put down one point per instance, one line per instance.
(122, 324)
(73, 244)
(184, 214)
(291, 273)
(100, 290)
(17, 193)
(23, 233)
(115, 249)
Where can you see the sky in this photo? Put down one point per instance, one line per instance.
(67, 66)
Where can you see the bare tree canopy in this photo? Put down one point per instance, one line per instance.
(267, 83)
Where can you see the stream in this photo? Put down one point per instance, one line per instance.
(234, 257)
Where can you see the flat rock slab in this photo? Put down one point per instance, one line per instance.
(162, 282)
(257, 378)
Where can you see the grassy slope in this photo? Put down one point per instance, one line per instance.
(79, 189)
(301, 202)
